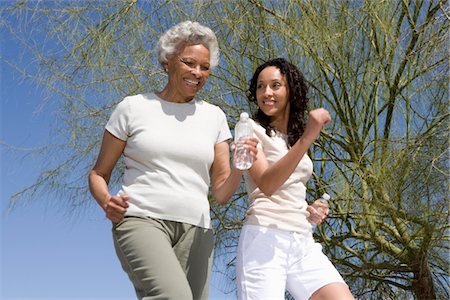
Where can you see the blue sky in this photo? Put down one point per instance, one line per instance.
(46, 254)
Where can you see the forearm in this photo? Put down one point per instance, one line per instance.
(224, 191)
(98, 187)
(277, 174)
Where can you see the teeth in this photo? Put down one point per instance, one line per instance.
(192, 82)
(269, 102)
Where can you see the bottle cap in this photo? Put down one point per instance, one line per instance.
(325, 196)
(244, 116)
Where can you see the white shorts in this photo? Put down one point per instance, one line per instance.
(270, 261)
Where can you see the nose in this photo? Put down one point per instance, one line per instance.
(268, 91)
(196, 71)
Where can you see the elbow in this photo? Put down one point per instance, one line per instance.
(94, 175)
(91, 180)
(91, 176)
(220, 200)
(267, 191)
(266, 185)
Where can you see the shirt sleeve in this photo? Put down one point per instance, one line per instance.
(224, 133)
(257, 133)
(118, 124)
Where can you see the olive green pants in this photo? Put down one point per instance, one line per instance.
(165, 259)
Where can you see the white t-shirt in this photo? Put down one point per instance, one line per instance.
(286, 208)
(168, 156)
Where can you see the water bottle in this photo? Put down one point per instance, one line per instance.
(242, 158)
(324, 199)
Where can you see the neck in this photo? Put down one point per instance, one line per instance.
(280, 121)
(279, 125)
(169, 96)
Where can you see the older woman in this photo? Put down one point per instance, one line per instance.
(175, 149)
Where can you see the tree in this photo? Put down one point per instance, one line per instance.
(380, 67)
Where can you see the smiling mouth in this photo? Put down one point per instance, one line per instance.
(192, 82)
(269, 102)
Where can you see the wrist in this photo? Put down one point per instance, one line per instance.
(236, 172)
(105, 201)
(305, 141)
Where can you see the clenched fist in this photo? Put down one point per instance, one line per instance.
(317, 118)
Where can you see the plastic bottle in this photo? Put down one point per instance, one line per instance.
(324, 199)
(242, 158)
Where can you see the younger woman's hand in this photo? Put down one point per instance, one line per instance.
(251, 144)
(317, 118)
(318, 212)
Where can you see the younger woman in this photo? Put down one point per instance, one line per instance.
(276, 248)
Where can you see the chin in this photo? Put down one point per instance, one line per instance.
(268, 112)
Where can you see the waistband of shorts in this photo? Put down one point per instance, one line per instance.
(290, 234)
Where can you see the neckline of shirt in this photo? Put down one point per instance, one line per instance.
(192, 102)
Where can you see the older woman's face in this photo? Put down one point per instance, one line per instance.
(188, 72)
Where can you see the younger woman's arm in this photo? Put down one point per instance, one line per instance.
(270, 178)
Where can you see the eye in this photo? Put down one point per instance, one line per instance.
(188, 63)
(276, 85)
(205, 68)
(259, 86)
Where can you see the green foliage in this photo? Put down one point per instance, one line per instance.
(379, 67)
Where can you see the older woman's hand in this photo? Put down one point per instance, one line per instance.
(115, 208)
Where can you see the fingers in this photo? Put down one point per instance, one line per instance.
(318, 212)
(312, 218)
(314, 215)
(320, 115)
(232, 146)
(116, 207)
(322, 206)
(250, 143)
(317, 118)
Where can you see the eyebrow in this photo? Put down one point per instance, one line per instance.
(271, 80)
(194, 60)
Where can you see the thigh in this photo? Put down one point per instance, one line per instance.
(260, 268)
(145, 252)
(195, 253)
(312, 272)
(333, 291)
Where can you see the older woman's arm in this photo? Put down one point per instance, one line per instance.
(225, 180)
(110, 151)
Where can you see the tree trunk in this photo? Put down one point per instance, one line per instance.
(422, 285)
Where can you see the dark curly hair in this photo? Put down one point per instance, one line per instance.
(298, 99)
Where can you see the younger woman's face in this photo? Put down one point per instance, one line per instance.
(272, 93)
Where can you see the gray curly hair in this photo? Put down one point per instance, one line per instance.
(191, 33)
